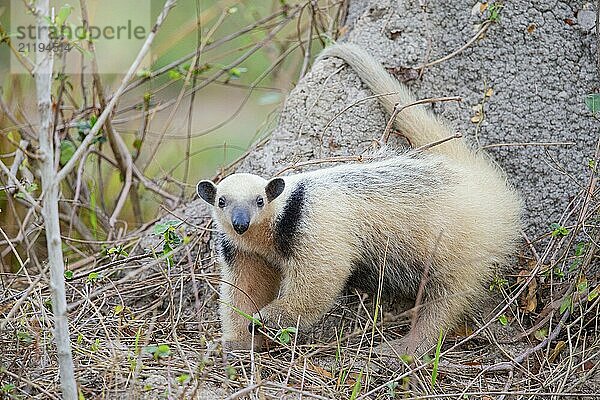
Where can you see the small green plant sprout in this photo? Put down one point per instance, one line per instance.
(498, 283)
(160, 351)
(503, 319)
(24, 338)
(558, 272)
(172, 239)
(580, 250)
(94, 347)
(236, 72)
(357, 386)
(436, 359)
(144, 73)
(582, 285)
(119, 308)
(495, 10)
(592, 101)
(93, 277)
(68, 274)
(175, 75)
(567, 304)
(231, 372)
(558, 229)
(541, 334)
(119, 251)
(183, 379)
(392, 387)
(284, 335)
(593, 293)
(8, 388)
(30, 188)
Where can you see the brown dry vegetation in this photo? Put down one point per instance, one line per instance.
(142, 302)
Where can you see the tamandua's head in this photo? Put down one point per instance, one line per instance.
(241, 200)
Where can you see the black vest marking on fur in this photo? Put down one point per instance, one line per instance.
(225, 248)
(287, 225)
(399, 275)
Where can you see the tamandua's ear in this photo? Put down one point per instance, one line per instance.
(207, 191)
(274, 188)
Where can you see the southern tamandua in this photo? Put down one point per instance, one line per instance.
(445, 217)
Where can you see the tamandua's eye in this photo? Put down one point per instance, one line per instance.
(221, 202)
(260, 201)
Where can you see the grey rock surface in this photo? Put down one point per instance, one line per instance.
(538, 59)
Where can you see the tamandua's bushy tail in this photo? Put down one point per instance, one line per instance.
(418, 124)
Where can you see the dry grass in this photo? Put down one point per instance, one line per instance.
(123, 304)
(144, 325)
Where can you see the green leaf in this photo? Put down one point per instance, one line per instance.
(503, 320)
(92, 210)
(68, 275)
(174, 75)
(566, 304)
(495, 10)
(119, 309)
(24, 337)
(32, 187)
(63, 14)
(436, 359)
(541, 334)
(67, 149)
(231, 372)
(236, 72)
(593, 294)
(284, 336)
(558, 230)
(592, 101)
(144, 73)
(249, 317)
(7, 388)
(93, 277)
(163, 350)
(183, 378)
(582, 286)
(580, 248)
(356, 387)
(160, 351)
(161, 228)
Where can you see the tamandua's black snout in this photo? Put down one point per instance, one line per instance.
(240, 220)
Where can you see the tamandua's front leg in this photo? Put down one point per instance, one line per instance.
(249, 283)
(309, 288)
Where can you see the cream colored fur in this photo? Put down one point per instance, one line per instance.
(444, 218)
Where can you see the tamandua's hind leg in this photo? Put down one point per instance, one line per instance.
(440, 310)
(249, 284)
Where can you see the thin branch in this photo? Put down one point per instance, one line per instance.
(113, 101)
(398, 108)
(479, 33)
